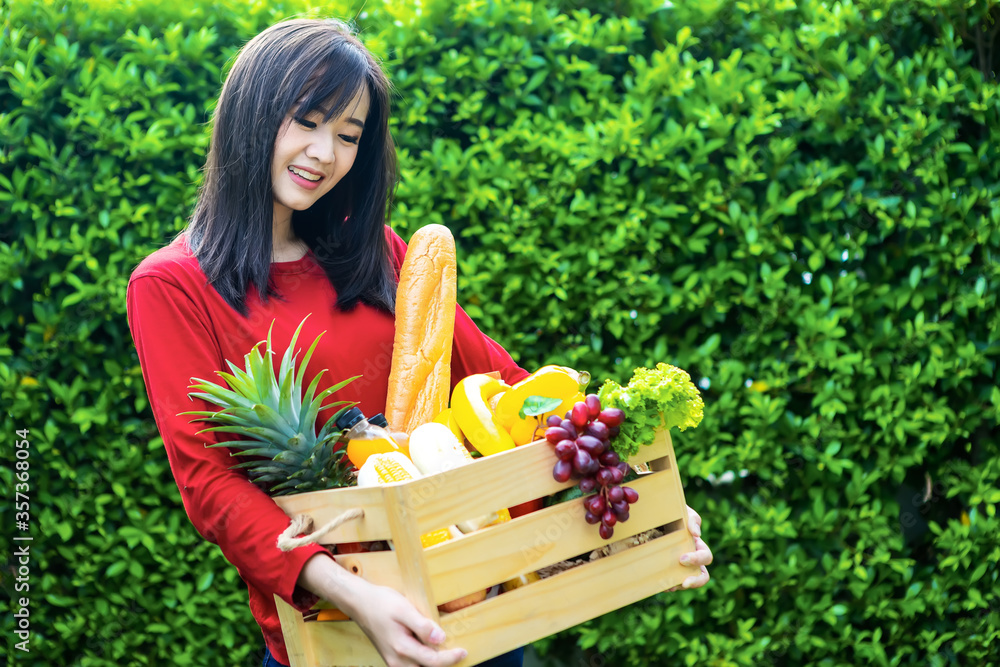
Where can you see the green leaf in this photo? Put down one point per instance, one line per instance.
(710, 345)
(62, 600)
(116, 568)
(65, 531)
(536, 80)
(826, 284)
(205, 580)
(538, 405)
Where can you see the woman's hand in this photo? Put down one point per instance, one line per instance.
(702, 556)
(400, 633)
(403, 637)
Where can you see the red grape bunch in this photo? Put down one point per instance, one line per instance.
(582, 443)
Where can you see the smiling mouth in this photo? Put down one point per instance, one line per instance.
(314, 178)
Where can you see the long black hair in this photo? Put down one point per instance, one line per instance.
(300, 64)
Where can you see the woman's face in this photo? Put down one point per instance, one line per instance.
(310, 157)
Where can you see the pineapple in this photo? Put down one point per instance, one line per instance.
(279, 421)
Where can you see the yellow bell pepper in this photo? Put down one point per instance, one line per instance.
(493, 400)
(551, 381)
(474, 417)
(527, 430)
(531, 429)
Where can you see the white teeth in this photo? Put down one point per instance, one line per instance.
(305, 174)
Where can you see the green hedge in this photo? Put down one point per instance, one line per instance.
(795, 201)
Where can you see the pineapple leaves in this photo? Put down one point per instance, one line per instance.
(291, 457)
(239, 383)
(314, 405)
(219, 395)
(287, 404)
(259, 433)
(275, 420)
(255, 362)
(289, 380)
(260, 471)
(270, 418)
(269, 452)
(243, 383)
(300, 376)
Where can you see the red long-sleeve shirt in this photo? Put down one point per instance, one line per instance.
(183, 329)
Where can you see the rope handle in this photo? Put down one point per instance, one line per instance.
(303, 522)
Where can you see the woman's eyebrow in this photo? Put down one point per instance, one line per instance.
(353, 121)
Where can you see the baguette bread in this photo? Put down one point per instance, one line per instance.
(420, 376)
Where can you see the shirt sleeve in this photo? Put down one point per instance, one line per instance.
(475, 352)
(175, 344)
(472, 351)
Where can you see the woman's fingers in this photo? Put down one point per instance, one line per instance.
(428, 657)
(402, 635)
(424, 628)
(698, 580)
(702, 555)
(694, 522)
(702, 558)
(428, 634)
(412, 652)
(695, 581)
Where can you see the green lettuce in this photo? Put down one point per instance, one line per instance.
(663, 397)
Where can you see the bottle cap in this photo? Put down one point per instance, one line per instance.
(379, 420)
(350, 418)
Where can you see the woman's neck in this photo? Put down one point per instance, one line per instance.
(290, 254)
(285, 246)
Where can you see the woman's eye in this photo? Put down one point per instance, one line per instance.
(349, 139)
(305, 123)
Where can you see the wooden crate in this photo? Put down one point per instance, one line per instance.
(429, 577)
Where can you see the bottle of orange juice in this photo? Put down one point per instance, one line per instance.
(364, 438)
(379, 420)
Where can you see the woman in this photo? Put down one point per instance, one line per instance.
(291, 220)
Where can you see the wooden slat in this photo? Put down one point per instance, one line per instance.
(668, 465)
(323, 506)
(501, 480)
(340, 644)
(409, 551)
(662, 443)
(545, 607)
(529, 543)
(300, 646)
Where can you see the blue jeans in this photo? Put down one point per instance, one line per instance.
(512, 659)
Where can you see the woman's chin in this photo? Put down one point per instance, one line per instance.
(299, 203)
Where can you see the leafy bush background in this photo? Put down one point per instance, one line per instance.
(797, 202)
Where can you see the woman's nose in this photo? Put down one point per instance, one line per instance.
(321, 148)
